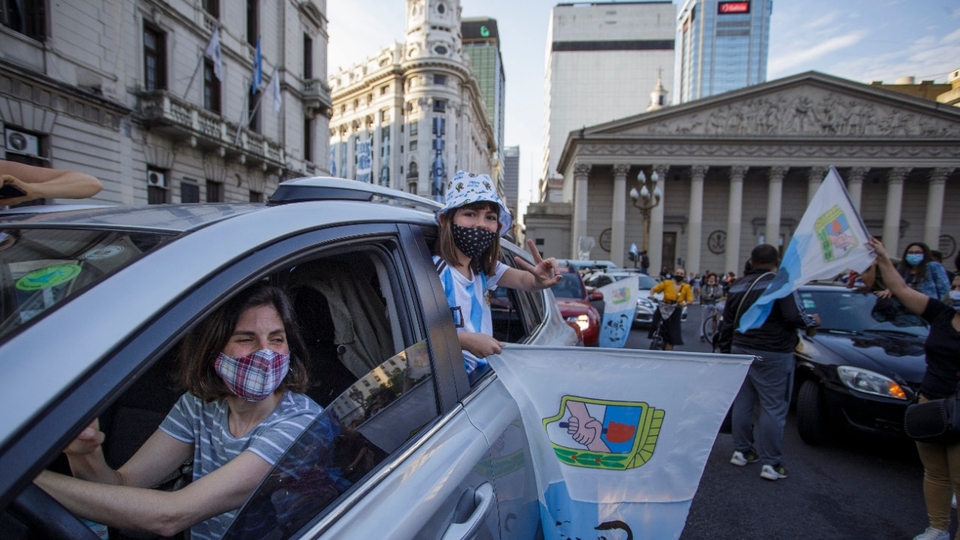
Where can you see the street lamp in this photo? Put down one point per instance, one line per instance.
(646, 200)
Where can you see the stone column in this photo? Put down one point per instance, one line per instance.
(732, 260)
(891, 220)
(855, 184)
(774, 202)
(581, 172)
(695, 226)
(814, 181)
(935, 194)
(656, 224)
(619, 222)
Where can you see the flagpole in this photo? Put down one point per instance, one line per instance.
(194, 76)
(256, 107)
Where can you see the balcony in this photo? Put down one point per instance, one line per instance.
(316, 96)
(197, 127)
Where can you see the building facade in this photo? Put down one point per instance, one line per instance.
(603, 59)
(132, 93)
(721, 46)
(412, 115)
(511, 177)
(739, 169)
(481, 42)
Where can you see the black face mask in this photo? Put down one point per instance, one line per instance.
(679, 278)
(472, 242)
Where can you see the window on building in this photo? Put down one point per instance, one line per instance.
(27, 18)
(414, 128)
(439, 105)
(154, 58)
(211, 87)
(383, 90)
(307, 138)
(440, 80)
(212, 7)
(157, 191)
(385, 116)
(253, 114)
(214, 191)
(253, 22)
(256, 196)
(189, 193)
(413, 146)
(413, 170)
(412, 187)
(307, 57)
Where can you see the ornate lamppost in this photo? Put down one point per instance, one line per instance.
(646, 200)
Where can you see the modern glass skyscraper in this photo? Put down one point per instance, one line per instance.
(722, 46)
(481, 41)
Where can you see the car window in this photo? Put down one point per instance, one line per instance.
(42, 268)
(857, 312)
(365, 424)
(647, 282)
(515, 313)
(571, 286)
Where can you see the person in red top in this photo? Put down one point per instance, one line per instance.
(675, 291)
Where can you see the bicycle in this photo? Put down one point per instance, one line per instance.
(711, 323)
(657, 339)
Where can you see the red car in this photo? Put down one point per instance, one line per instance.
(574, 303)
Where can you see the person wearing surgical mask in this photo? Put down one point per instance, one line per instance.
(922, 273)
(467, 258)
(244, 369)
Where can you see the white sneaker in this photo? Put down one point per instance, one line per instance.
(933, 534)
(741, 460)
(769, 472)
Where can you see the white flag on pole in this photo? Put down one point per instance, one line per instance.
(619, 309)
(830, 238)
(214, 52)
(275, 91)
(619, 438)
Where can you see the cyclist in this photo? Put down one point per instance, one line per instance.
(710, 294)
(675, 291)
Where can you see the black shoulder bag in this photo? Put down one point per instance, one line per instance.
(934, 421)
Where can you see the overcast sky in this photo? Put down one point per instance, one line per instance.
(861, 40)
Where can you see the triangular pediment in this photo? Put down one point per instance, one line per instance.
(806, 105)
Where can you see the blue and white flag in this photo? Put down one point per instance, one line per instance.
(274, 89)
(257, 70)
(619, 439)
(364, 161)
(830, 239)
(619, 309)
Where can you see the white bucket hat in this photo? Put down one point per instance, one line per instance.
(468, 188)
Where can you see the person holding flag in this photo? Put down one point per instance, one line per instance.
(770, 377)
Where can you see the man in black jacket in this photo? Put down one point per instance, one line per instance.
(769, 380)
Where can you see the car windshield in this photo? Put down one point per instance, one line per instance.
(647, 282)
(850, 311)
(571, 286)
(41, 268)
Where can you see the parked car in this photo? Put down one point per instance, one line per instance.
(94, 302)
(645, 306)
(575, 305)
(863, 366)
(585, 266)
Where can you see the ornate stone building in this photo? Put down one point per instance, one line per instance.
(739, 168)
(122, 89)
(410, 116)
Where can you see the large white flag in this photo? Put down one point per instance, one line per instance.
(215, 53)
(275, 91)
(619, 309)
(830, 238)
(618, 439)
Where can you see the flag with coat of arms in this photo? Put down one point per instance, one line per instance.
(830, 239)
(619, 309)
(618, 438)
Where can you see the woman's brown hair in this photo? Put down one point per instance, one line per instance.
(447, 249)
(202, 345)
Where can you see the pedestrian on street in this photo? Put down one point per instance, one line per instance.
(941, 462)
(769, 379)
(644, 262)
(710, 294)
(674, 291)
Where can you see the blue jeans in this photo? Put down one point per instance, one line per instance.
(769, 382)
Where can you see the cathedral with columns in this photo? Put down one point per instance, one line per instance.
(738, 169)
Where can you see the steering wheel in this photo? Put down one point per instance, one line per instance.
(46, 516)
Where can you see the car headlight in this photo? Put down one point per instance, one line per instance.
(870, 382)
(581, 320)
(645, 302)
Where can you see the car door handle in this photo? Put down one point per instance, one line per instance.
(478, 503)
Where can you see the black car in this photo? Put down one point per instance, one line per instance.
(862, 367)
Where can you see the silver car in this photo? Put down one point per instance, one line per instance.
(645, 306)
(95, 301)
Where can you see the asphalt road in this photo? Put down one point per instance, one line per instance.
(853, 488)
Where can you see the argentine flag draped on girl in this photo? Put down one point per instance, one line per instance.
(829, 239)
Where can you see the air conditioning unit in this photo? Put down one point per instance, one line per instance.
(156, 179)
(22, 143)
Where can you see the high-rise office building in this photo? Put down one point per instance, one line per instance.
(603, 60)
(511, 177)
(722, 46)
(481, 41)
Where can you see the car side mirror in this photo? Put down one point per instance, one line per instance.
(596, 295)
